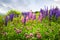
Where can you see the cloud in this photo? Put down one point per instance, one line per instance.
(3, 11)
(56, 0)
(26, 5)
(5, 7)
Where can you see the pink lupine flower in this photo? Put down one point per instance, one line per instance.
(27, 18)
(33, 16)
(22, 20)
(40, 17)
(30, 15)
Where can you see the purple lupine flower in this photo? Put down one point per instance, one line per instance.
(25, 15)
(24, 19)
(46, 13)
(57, 13)
(50, 14)
(6, 20)
(43, 12)
(11, 17)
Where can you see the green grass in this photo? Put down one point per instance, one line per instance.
(47, 32)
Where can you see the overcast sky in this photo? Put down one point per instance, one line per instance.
(26, 5)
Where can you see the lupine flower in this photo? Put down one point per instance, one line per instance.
(57, 11)
(43, 12)
(27, 18)
(40, 17)
(50, 14)
(25, 15)
(22, 20)
(30, 15)
(46, 13)
(6, 20)
(11, 17)
(58, 14)
(33, 16)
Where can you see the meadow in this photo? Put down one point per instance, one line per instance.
(21, 26)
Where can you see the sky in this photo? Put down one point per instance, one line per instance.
(27, 5)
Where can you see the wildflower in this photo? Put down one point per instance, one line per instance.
(33, 16)
(46, 13)
(11, 17)
(42, 12)
(30, 14)
(27, 18)
(57, 13)
(50, 14)
(40, 17)
(22, 20)
(25, 15)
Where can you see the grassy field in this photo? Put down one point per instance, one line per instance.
(33, 30)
